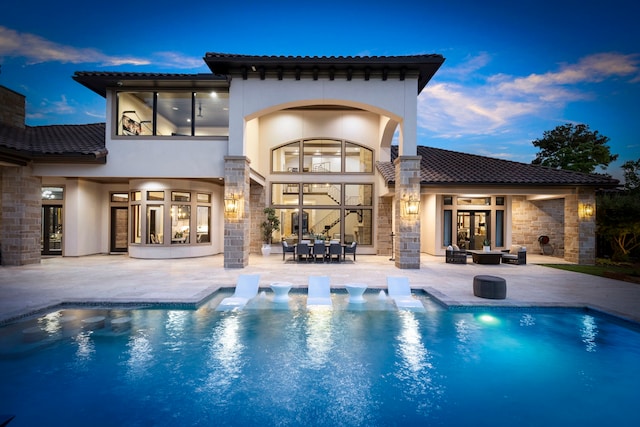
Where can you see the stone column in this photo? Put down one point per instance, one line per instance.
(407, 247)
(237, 225)
(385, 226)
(258, 203)
(20, 223)
(580, 227)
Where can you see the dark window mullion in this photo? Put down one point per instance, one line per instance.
(193, 113)
(155, 113)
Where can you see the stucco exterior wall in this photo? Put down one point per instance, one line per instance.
(83, 205)
(390, 98)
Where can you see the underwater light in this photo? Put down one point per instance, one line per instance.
(488, 319)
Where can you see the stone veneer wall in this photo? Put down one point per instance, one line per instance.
(21, 217)
(407, 248)
(258, 203)
(580, 231)
(237, 226)
(12, 108)
(534, 218)
(384, 227)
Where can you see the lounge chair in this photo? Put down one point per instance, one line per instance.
(400, 293)
(246, 289)
(319, 291)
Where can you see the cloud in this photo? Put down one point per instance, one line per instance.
(47, 107)
(453, 109)
(36, 50)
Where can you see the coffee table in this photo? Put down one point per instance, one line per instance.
(482, 257)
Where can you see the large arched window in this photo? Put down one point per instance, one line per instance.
(320, 155)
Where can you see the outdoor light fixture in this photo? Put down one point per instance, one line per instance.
(231, 204)
(411, 206)
(587, 210)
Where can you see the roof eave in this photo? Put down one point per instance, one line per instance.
(13, 157)
(99, 82)
(425, 65)
(98, 157)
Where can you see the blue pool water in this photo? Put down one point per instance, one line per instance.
(288, 366)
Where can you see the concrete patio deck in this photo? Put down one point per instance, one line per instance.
(118, 279)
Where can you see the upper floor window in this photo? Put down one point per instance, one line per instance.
(173, 113)
(322, 156)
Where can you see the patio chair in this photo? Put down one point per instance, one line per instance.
(303, 251)
(335, 250)
(288, 249)
(516, 255)
(350, 250)
(246, 289)
(319, 251)
(455, 255)
(400, 292)
(319, 291)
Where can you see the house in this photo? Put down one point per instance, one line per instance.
(185, 164)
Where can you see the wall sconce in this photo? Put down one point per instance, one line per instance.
(587, 210)
(411, 206)
(231, 204)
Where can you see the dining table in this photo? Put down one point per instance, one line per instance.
(326, 250)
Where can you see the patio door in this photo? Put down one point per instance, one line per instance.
(51, 232)
(472, 229)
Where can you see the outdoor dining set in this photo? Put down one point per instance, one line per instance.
(319, 251)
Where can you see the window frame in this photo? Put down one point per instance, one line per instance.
(300, 169)
(149, 119)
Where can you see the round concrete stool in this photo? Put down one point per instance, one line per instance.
(91, 323)
(121, 324)
(33, 334)
(491, 287)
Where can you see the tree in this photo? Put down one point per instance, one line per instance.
(269, 225)
(573, 148)
(631, 172)
(618, 221)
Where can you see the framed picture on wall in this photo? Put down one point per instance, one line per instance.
(130, 126)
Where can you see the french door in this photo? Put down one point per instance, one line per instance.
(473, 229)
(51, 233)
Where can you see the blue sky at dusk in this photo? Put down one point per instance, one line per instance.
(513, 69)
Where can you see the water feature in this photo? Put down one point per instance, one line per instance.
(357, 364)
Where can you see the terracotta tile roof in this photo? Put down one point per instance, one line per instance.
(445, 167)
(72, 141)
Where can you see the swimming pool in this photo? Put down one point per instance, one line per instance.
(354, 365)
